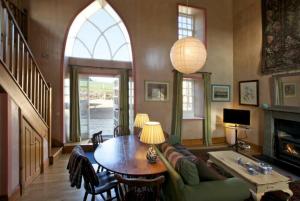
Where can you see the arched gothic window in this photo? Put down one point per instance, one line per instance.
(99, 33)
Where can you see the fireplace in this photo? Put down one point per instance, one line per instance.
(282, 138)
(287, 141)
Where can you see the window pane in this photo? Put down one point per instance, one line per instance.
(180, 19)
(122, 54)
(184, 107)
(88, 34)
(80, 51)
(188, 98)
(102, 50)
(102, 19)
(115, 38)
(189, 20)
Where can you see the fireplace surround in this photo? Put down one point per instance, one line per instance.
(282, 136)
(287, 141)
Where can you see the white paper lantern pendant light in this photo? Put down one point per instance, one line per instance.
(188, 55)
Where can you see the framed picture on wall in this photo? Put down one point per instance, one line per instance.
(156, 91)
(289, 90)
(249, 92)
(220, 93)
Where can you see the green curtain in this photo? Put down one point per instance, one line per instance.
(177, 108)
(75, 135)
(124, 104)
(207, 99)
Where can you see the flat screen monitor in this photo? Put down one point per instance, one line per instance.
(234, 116)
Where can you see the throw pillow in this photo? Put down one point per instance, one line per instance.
(187, 169)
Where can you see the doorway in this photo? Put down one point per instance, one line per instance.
(97, 105)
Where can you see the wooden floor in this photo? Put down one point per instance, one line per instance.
(54, 185)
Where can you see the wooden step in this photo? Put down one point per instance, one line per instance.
(56, 152)
(86, 145)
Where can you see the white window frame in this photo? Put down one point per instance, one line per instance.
(188, 112)
(185, 32)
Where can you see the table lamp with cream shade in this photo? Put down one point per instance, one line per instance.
(152, 134)
(140, 120)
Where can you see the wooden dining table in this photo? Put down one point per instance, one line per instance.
(127, 155)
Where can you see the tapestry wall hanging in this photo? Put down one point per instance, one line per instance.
(281, 35)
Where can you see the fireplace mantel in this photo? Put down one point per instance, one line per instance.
(283, 109)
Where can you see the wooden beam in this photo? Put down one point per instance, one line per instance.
(96, 63)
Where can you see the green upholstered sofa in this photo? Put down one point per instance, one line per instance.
(231, 189)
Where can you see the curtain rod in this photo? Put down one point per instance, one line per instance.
(195, 72)
(99, 68)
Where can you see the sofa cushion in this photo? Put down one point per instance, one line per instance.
(183, 150)
(205, 172)
(186, 168)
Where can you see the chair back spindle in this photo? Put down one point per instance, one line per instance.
(97, 138)
(135, 189)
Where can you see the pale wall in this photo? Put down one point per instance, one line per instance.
(13, 148)
(152, 26)
(247, 60)
(9, 136)
(2, 139)
(192, 129)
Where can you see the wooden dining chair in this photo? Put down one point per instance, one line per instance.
(94, 183)
(97, 139)
(120, 131)
(136, 189)
(105, 183)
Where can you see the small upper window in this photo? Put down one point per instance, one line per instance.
(191, 22)
(185, 25)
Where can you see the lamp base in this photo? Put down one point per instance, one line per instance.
(151, 155)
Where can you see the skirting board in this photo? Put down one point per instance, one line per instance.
(254, 147)
(14, 196)
(199, 142)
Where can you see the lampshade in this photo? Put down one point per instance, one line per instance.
(152, 133)
(188, 55)
(140, 119)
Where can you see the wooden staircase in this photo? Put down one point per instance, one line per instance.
(20, 75)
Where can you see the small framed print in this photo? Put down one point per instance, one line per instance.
(156, 91)
(220, 93)
(289, 90)
(249, 92)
